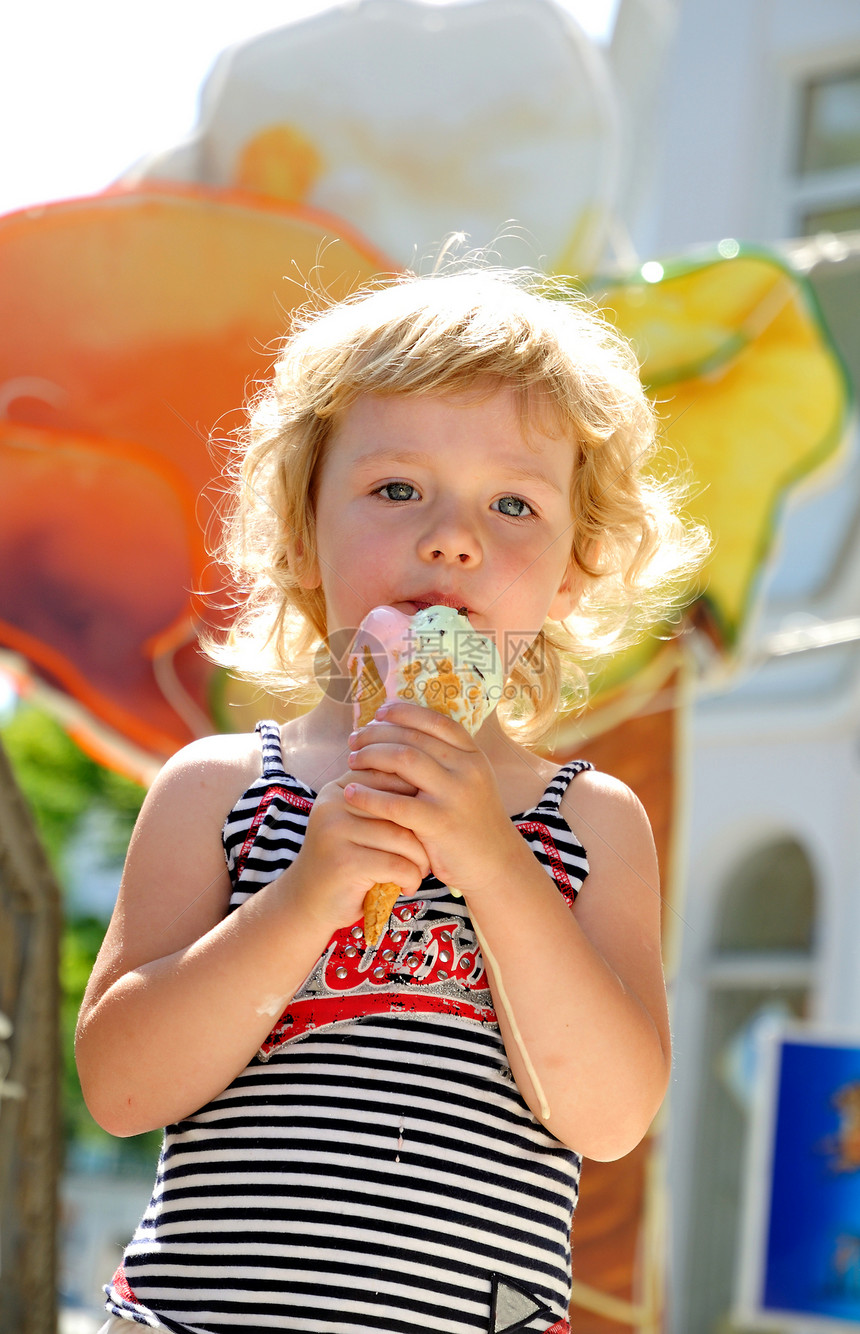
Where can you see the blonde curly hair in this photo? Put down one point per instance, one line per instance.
(449, 333)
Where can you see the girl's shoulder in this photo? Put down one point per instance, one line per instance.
(612, 824)
(228, 751)
(212, 771)
(595, 791)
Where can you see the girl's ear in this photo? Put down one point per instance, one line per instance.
(568, 594)
(305, 565)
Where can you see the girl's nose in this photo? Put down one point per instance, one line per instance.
(450, 540)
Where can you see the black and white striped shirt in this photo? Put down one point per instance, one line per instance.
(374, 1169)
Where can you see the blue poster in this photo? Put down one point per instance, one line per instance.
(804, 1262)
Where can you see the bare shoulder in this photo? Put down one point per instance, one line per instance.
(182, 818)
(225, 752)
(175, 885)
(213, 771)
(610, 822)
(594, 791)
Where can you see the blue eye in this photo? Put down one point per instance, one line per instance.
(513, 506)
(397, 491)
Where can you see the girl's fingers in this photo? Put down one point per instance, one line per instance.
(395, 746)
(394, 811)
(368, 801)
(398, 845)
(378, 805)
(387, 782)
(414, 718)
(413, 768)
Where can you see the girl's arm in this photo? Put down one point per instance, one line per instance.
(182, 995)
(584, 986)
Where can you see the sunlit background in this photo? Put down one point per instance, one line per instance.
(87, 89)
(738, 131)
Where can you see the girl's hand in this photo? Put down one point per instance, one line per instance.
(348, 853)
(456, 811)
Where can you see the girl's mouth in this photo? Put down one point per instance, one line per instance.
(440, 600)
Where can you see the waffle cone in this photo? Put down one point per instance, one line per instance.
(378, 903)
(368, 692)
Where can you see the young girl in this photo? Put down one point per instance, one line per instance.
(389, 1138)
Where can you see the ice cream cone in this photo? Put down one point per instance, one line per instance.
(435, 659)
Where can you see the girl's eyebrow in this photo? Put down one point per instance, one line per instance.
(533, 474)
(376, 458)
(422, 459)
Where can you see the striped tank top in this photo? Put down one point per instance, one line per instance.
(374, 1169)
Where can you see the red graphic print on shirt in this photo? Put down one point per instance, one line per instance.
(428, 961)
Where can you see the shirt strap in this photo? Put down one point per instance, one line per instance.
(273, 759)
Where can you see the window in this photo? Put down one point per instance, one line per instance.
(768, 905)
(831, 123)
(827, 168)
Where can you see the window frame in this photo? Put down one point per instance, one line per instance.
(792, 193)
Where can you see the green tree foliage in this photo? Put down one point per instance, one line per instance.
(62, 785)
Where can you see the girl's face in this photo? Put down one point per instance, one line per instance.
(427, 500)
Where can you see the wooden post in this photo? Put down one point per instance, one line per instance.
(30, 917)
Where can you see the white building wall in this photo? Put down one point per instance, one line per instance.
(725, 123)
(758, 775)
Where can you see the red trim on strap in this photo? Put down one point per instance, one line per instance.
(553, 856)
(120, 1284)
(292, 799)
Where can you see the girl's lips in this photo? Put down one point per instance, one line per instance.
(440, 600)
(410, 607)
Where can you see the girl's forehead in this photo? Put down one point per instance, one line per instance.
(526, 413)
